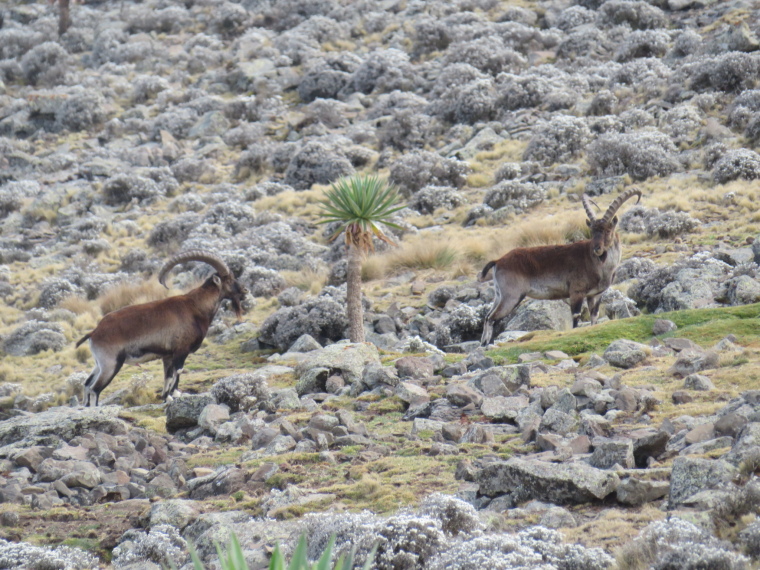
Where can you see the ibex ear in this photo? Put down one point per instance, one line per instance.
(588, 222)
(217, 281)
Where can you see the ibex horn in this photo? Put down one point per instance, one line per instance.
(194, 255)
(619, 202)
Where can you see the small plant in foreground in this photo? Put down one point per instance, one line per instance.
(234, 559)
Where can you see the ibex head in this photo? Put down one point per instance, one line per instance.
(223, 279)
(603, 229)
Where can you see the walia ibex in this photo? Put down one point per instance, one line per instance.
(169, 329)
(580, 270)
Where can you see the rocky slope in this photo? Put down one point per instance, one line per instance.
(153, 127)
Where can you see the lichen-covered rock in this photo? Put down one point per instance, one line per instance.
(162, 544)
(241, 391)
(184, 411)
(561, 484)
(34, 337)
(691, 475)
(345, 359)
(25, 555)
(625, 353)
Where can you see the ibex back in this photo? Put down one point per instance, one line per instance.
(578, 271)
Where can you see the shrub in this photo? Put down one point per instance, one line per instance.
(562, 138)
(262, 282)
(639, 219)
(603, 103)
(730, 72)
(123, 188)
(638, 15)
(176, 122)
(34, 337)
(172, 232)
(418, 169)
(487, 54)
(737, 164)
(405, 129)
(316, 163)
(646, 43)
(640, 154)
(80, 109)
(161, 545)
(681, 122)
(518, 196)
(167, 20)
(286, 14)
(15, 42)
(573, 17)
(686, 43)
(522, 91)
(507, 171)
(384, 71)
(45, 64)
(145, 87)
(585, 42)
(229, 20)
(475, 102)
(430, 34)
(430, 198)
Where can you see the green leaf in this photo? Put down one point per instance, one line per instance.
(277, 561)
(324, 560)
(299, 560)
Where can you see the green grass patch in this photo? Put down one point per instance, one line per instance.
(703, 326)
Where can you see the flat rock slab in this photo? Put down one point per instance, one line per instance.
(56, 425)
(558, 483)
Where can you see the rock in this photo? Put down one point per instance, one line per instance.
(635, 492)
(691, 361)
(697, 382)
(566, 483)
(286, 399)
(212, 416)
(625, 353)
(461, 395)
(240, 392)
(415, 367)
(313, 381)
(56, 425)
(555, 355)
(175, 512)
(375, 374)
(541, 315)
(747, 444)
(648, 442)
(692, 475)
(411, 393)
(663, 326)
(501, 408)
(700, 433)
(32, 457)
(585, 387)
(680, 344)
(626, 400)
(305, 343)
(556, 421)
(344, 359)
(730, 424)
(183, 412)
(680, 397)
(608, 453)
(224, 482)
(558, 517)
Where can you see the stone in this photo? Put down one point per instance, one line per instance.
(648, 442)
(415, 367)
(681, 344)
(345, 359)
(81, 474)
(31, 457)
(692, 475)
(608, 453)
(555, 421)
(558, 517)
(462, 395)
(680, 397)
(375, 374)
(313, 380)
(746, 445)
(305, 343)
(501, 408)
(334, 384)
(540, 315)
(411, 393)
(183, 412)
(663, 326)
(280, 444)
(700, 433)
(562, 484)
(175, 512)
(529, 356)
(212, 416)
(56, 425)
(625, 353)
(224, 482)
(636, 492)
(626, 400)
(690, 361)
(586, 387)
(565, 402)
(697, 382)
(730, 424)
(286, 399)
(555, 355)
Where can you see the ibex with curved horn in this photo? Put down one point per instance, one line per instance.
(169, 329)
(578, 271)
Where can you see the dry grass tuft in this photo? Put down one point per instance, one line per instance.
(374, 267)
(549, 232)
(307, 280)
(422, 253)
(126, 294)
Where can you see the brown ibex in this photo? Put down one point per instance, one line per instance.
(578, 271)
(169, 329)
